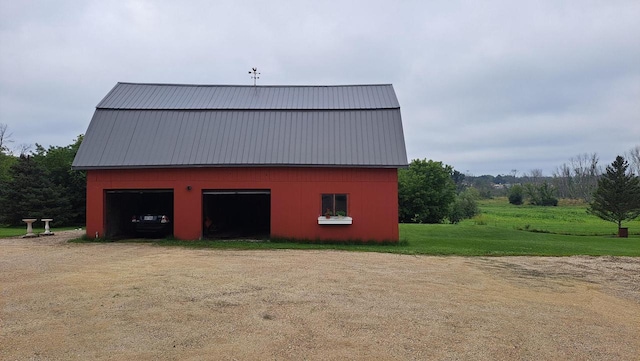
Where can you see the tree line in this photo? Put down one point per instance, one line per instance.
(40, 183)
(433, 192)
(576, 179)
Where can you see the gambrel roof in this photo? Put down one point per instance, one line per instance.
(169, 125)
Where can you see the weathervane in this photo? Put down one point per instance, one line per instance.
(254, 76)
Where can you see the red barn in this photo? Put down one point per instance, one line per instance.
(305, 162)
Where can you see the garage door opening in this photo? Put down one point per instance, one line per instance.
(231, 214)
(138, 213)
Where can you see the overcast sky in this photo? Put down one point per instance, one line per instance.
(484, 86)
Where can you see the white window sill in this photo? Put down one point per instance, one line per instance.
(335, 220)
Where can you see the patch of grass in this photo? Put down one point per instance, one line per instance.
(13, 231)
(349, 242)
(286, 244)
(501, 230)
(473, 240)
(447, 239)
(570, 218)
(480, 220)
(85, 239)
(21, 231)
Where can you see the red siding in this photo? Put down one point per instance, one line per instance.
(295, 198)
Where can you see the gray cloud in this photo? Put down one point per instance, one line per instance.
(484, 86)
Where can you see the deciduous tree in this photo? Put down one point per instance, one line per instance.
(578, 179)
(425, 191)
(5, 139)
(465, 205)
(634, 159)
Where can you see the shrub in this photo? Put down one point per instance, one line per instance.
(465, 206)
(516, 195)
(542, 195)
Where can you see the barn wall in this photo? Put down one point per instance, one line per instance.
(295, 198)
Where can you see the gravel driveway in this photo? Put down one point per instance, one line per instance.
(118, 301)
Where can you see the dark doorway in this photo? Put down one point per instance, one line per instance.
(138, 213)
(229, 214)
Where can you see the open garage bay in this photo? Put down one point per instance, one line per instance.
(123, 205)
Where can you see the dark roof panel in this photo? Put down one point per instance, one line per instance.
(176, 138)
(168, 96)
(158, 125)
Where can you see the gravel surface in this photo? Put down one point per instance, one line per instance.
(118, 301)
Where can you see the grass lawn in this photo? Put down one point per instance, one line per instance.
(502, 229)
(462, 240)
(21, 231)
(478, 240)
(505, 229)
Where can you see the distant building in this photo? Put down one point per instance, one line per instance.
(245, 161)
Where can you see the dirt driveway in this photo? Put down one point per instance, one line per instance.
(61, 301)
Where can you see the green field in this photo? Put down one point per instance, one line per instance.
(502, 229)
(505, 229)
(571, 219)
(485, 240)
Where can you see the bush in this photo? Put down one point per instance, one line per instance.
(516, 195)
(465, 206)
(542, 195)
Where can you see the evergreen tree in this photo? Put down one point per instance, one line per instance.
(617, 198)
(6, 161)
(57, 162)
(31, 194)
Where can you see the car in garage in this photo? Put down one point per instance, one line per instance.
(152, 224)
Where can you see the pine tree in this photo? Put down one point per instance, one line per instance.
(31, 194)
(617, 198)
(57, 163)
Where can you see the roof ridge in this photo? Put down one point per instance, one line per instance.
(256, 86)
(184, 96)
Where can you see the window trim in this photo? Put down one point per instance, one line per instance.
(333, 203)
(333, 219)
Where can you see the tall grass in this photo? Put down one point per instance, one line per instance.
(570, 218)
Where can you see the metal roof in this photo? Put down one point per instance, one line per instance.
(130, 133)
(177, 96)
